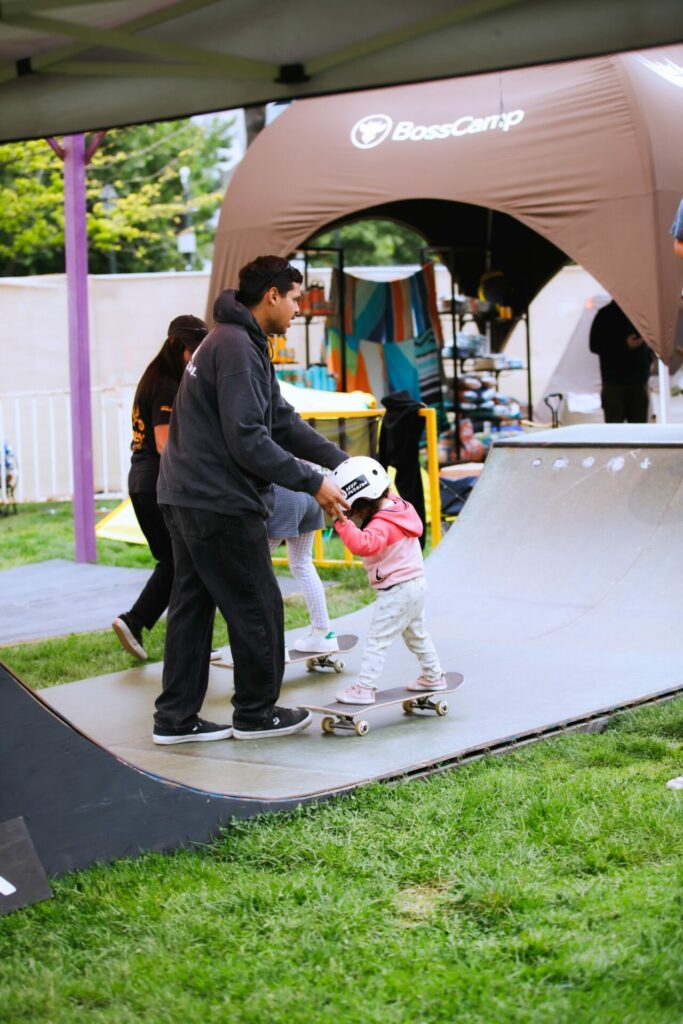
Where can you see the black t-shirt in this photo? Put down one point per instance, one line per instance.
(619, 364)
(151, 409)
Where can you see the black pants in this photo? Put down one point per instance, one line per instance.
(221, 561)
(153, 601)
(625, 403)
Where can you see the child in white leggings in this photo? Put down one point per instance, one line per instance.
(295, 519)
(386, 537)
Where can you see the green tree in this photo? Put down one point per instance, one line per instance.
(31, 210)
(136, 201)
(372, 243)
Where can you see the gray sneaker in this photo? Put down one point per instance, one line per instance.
(280, 722)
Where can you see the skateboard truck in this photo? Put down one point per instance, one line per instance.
(325, 661)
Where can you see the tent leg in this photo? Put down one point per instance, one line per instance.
(76, 245)
(664, 391)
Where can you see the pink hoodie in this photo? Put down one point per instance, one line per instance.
(389, 544)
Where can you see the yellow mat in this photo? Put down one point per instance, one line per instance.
(121, 524)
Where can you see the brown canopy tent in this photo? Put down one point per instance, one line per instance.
(581, 160)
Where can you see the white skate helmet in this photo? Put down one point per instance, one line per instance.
(361, 477)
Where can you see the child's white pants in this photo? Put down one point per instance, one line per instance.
(399, 612)
(300, 561)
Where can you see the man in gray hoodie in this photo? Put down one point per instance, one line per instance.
(232, 436)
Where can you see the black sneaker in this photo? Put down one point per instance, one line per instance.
(129, 636)
(280, 722)
(200, 732)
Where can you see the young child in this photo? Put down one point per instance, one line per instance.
(387, 540)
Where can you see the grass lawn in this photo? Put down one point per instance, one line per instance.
(544, 886)
(41, 531)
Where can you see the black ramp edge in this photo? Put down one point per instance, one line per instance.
(82, 805)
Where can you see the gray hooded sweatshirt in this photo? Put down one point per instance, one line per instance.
(232, 434)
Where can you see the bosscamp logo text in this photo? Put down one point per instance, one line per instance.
(375, 128)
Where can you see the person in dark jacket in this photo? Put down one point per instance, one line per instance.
(625, 362)
(152, 404)
(232, 436)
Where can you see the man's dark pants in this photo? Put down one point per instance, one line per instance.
(224, 562)
(625, 403)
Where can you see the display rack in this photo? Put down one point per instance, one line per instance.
(466, 366)
(459, 314)
(306, 252)
(486, 415)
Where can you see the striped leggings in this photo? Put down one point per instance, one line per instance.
(300, 559)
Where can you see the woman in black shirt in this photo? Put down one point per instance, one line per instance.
(151, 415)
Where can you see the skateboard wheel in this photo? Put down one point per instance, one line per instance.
(310, 665)
(327, 724)
(408, 707)
(441, 707)
(362, 728)
(338, 666)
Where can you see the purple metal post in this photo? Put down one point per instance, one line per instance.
(76, 246)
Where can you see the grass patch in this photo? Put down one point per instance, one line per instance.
(42, 531)
(543, 886)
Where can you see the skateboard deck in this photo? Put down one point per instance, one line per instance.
(330, 659)
(352, 717)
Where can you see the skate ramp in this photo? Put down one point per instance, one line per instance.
(556, 593)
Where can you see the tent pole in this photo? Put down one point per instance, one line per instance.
(307, 319)
(342, 316)
(76, 246)
(664, 391)
(530, 411)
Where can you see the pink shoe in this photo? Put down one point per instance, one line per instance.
(422, 683)
(356, 694)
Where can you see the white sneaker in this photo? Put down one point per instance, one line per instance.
(676, 783)
(428, 685)
(356, 694)
(317, 643)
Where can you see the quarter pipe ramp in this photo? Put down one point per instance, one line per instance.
(557, 593)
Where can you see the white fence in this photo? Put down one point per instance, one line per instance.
(37, 427)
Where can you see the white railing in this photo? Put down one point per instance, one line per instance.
(37, 426)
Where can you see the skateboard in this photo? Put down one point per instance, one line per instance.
(329, 659)
(352, 716)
